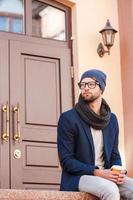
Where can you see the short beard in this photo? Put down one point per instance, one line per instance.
(90, 100)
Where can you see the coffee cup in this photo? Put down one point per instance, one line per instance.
(118, 169)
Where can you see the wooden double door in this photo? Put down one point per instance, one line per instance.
(35, 87)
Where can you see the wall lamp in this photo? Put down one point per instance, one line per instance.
(108, 35)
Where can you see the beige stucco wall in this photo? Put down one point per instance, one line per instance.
(88, 18)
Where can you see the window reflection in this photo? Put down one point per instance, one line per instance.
(47, 21)
(12, 16)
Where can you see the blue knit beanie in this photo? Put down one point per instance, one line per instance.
(98, 75)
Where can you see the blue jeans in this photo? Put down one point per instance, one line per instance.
(105, 189)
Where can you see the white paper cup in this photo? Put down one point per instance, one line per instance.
(118, 169)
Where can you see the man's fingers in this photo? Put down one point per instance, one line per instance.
(120, 182)
(122, 175)
(114, 176)
(113, 180)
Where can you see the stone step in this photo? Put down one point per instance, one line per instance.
(11, 194)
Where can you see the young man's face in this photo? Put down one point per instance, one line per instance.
(91, 91)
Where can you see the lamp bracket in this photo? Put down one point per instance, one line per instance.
(101, 51)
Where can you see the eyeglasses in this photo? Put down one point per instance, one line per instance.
(90, 84)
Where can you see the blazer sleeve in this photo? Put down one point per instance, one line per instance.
(66, 141)
(115, 156)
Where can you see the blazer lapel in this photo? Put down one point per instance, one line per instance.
(88, 133)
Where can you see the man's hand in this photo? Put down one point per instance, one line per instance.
(110, 175)
(121, 177)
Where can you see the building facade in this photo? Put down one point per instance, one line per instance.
(45, 46)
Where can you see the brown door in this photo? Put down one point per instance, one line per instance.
(40, 89)
(4, 114)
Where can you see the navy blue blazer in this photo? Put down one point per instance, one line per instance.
(76, 148)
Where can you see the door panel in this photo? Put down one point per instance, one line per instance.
(43, 150)
(40, 77)
(4, 101)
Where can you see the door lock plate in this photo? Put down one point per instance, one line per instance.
(17, 153)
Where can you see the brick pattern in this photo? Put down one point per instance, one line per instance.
(11, 194)
(6, 194)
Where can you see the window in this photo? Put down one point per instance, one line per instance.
(12, 16)
(48, 21)
(38, 18)
(3, 23)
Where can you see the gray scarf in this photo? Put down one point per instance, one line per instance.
(90, 117)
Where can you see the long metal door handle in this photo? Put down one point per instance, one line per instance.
(17, 135)
(5, 134)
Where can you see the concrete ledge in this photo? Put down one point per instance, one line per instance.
(11, 194)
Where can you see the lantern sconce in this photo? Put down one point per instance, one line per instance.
(108, 35)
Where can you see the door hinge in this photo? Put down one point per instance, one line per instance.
(72, 71)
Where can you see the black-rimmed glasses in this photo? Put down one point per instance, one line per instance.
(91, 84)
